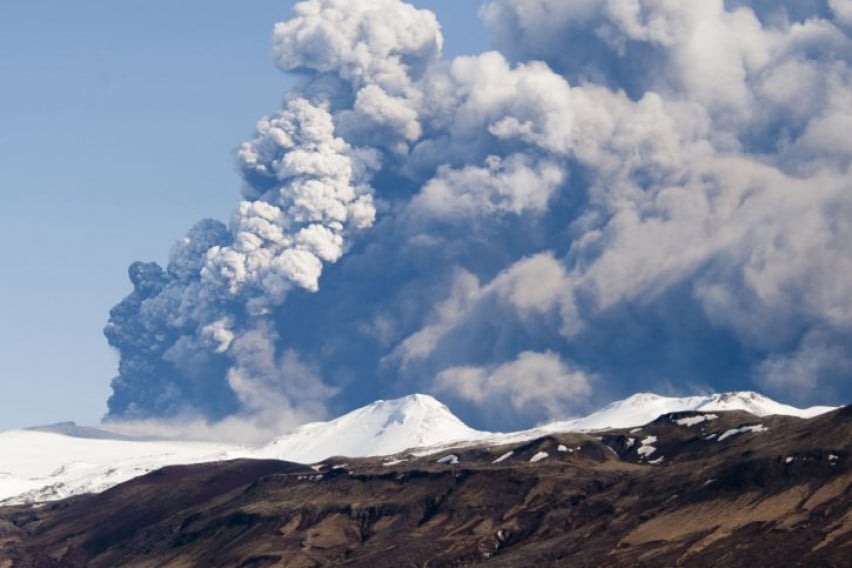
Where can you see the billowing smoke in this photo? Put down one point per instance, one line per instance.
(201, 331)
(628, 195)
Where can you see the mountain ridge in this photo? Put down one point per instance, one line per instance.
(644, 407)
(70, 464)
(727, 489)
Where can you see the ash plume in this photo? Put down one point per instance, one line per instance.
(627, 195)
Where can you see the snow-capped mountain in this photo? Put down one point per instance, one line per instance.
(58, 461)
(758, 405)
(378, 429)
(642, 408)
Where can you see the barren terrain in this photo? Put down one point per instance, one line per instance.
(691, 489)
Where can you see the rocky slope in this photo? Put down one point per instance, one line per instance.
(721, 488)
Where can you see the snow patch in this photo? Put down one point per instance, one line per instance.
(647, 447)
(742, 430)
(539, 456)
(646, 451)
(451, 459)
(504, 457)
(691, 421)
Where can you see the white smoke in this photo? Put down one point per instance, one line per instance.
(316, 194)
(369, 43)
(534, 386)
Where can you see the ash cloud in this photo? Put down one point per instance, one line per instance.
(627, 195)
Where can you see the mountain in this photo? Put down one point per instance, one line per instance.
(642, 408)
(726, 488)
(59, 461)
(378, 429)
(37, 465)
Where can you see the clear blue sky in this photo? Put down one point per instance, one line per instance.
(119, 119)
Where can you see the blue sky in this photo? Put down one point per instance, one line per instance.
(120, 120)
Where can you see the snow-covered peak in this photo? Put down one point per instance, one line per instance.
(641, 408)
(381, 428)
(409, 407)
(758, 405)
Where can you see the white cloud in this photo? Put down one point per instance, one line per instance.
(533, 384)
(312, 200)
(445, 316)
(532, 289)
(842, 11)
(378, 42)
(273, 385)
(512, 185)
(800, 373)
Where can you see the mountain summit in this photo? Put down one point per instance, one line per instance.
(381, 428)
(642, 408)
